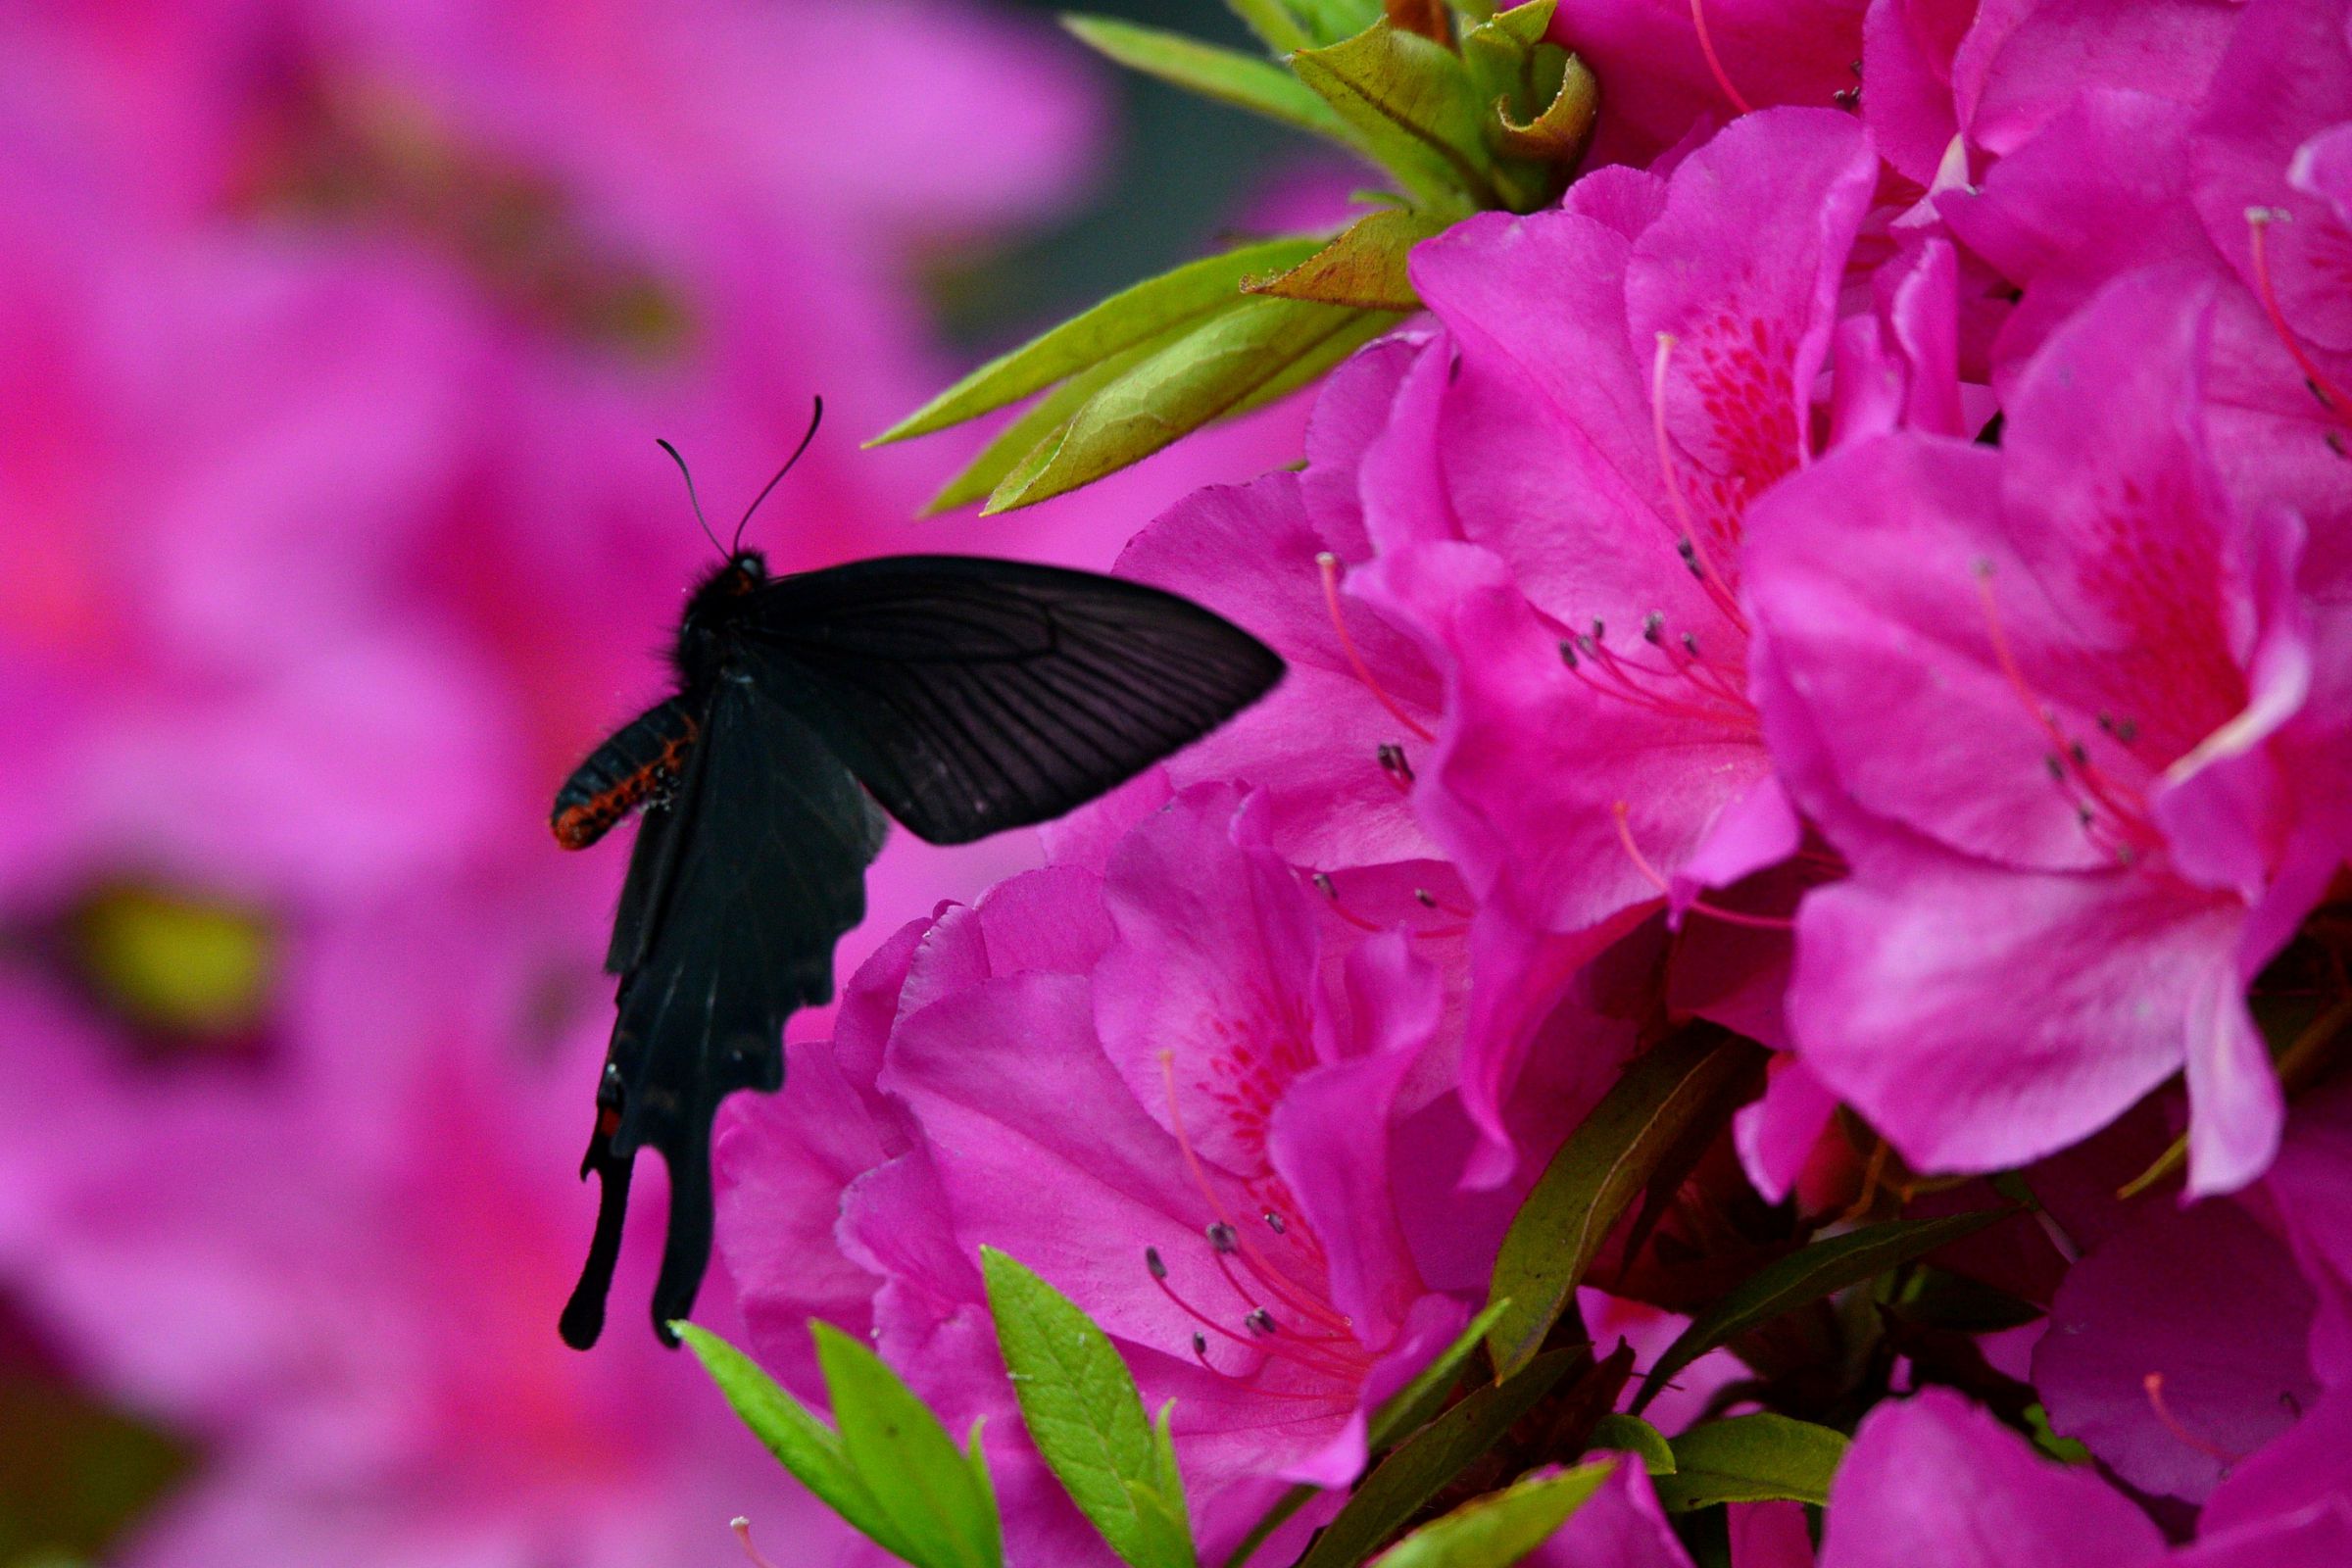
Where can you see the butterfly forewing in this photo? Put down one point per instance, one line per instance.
(973, 695)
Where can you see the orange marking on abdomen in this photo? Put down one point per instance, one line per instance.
(584, 824)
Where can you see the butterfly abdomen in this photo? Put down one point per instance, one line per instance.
(638, 764)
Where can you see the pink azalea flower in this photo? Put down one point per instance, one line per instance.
(2045, 755)
(1931, 1481)
(1579, 599)
(1219, 1079)
(1948, 80)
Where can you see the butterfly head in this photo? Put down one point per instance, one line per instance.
(722, 596)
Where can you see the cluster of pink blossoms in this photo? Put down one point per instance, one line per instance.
(1871, 568)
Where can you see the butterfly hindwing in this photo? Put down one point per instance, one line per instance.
(738, 889)
(973, 695)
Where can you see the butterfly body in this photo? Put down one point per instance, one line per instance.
(962, 694)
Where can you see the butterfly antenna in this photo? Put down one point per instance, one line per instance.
(816, 418)
(694, 500)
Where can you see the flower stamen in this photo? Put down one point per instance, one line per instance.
(743, 1533)
(1706, 46)
(2331, 396)
(1329, 566)
(1657, 880)
(2125, 832)
(2154, 1384)
(1691, 548)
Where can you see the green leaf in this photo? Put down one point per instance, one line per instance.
(1365, 266)
(1414, 109)
(906, 1460)
(1204, 375)
(1191, 293)
(1273, 23)
(800, 1443)
(1412, 1405)
(1751, 1458)
(1559, 1229)
(1361, 328)
(1042, 421)
(1400, 1413)
(1419, 1468)
(1807, 1275)
(1629, 1433)
(1085, 1418)
(2066, 1450)
(1228, 76)
(1497, 1530)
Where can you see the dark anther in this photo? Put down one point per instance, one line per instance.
(1260, 1321)
(1393, 762)
(1424, 898)
(1220, 1236)
(2336, 444)
(1323, 885)
(1600, 630)
(1691, 644)
(2057, 768)
(1654, 625)
(2079, 752)
(1568, 653)
(1152, 1262)
(1274, 1223)
(1199, 1343)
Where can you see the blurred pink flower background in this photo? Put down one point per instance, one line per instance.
(334, 335)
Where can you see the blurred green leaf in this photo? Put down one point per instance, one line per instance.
(1420, 1467)
(1751, 1458)
(1207, 373)
(1690, 1077)
(1228, 76)
(1497, 1530)
(1629, 1433)
(1805, 1276)
(169, 962)
(909, 1463)
(74, 1474)
(800, 1443)
(1365, 266)
(1274, 22)
(1087, 1419)
(1414, 109)
(1193, 292)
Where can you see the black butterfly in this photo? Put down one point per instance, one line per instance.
(964, 695)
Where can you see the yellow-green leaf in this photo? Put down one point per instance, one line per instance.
(908, 1464)
(1246, 81)
(1751, 1458)
(1204, 375)
(1085, 1416)
(1499, 1529)
(1365, 266)
(1629, 1433)
(1190, 293)
(1414, 109)
(1419, 1468)
(800, 1443)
